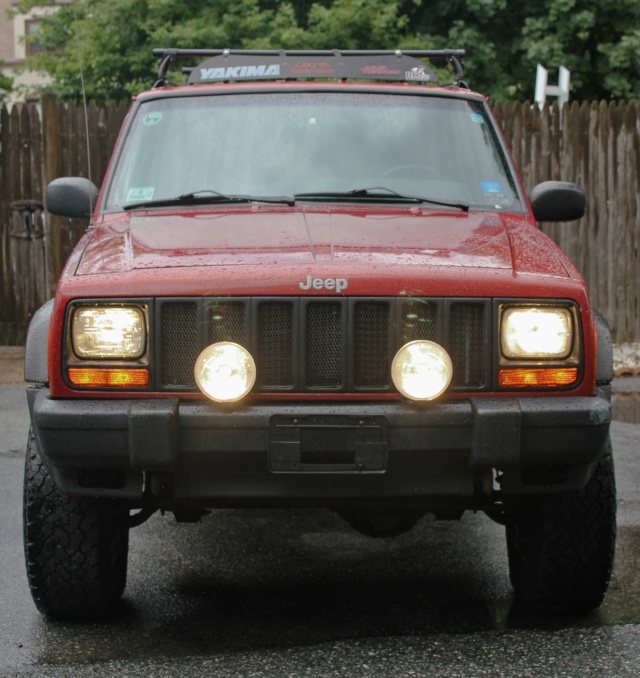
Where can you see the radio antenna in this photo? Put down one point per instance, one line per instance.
(84, 101)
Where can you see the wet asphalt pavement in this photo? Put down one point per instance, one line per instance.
(299, 593)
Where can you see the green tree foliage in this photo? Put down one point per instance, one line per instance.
(6, 85)
(597, 40)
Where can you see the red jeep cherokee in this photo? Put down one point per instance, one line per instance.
(315, 279)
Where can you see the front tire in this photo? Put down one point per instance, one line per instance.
(75, 547)
(561, 546)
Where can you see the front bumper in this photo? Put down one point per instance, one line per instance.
(168, 451)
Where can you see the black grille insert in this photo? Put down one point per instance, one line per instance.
(227, 322)
(179, 343)
(467, 344)
(372, 364)
(324, 344)
(274, 360)
(315, 344)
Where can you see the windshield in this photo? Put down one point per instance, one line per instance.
(313, 145)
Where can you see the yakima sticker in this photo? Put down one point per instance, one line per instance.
(417, 73)
(229, 65)
(337, 284)
(233, 72)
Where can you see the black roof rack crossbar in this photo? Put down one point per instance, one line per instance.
(241, 64)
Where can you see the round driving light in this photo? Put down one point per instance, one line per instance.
(421, 370)
(225, 372)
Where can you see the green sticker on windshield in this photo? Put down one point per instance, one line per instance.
(140, 193)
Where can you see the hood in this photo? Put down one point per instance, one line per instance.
(319, 240)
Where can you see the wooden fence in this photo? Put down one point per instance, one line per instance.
(595, 145)
(39, 143)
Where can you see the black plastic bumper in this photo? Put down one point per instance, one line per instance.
(277, 453)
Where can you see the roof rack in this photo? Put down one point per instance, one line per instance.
(223, 65)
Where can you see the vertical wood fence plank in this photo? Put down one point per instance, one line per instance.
(24, 273)
(7, 296)
(38, 221)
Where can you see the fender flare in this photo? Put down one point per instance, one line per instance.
(604, 365)
(36, 355)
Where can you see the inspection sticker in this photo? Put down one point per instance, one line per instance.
(492, 190)
(140, 193)
(153, 118)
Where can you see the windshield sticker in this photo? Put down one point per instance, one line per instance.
(492, 190)
(152, 118)
(477, 117)
(140, 193)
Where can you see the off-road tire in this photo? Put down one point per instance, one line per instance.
(561, 546)
(75, 547)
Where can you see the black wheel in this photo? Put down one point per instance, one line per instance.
(561, 546)
(75, 548)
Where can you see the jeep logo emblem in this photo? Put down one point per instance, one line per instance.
(337, 284)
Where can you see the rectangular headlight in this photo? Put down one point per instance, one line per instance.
(108, 332)
(542, 332)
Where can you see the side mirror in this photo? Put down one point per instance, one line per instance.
(73, 197)
(557, 201)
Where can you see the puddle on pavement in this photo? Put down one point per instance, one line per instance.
(626, 407)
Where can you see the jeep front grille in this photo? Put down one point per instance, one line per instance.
(320, 344)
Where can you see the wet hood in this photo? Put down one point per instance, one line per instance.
(270, 242)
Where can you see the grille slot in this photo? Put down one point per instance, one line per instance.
(274, 360)
(227, 322)
(179, 343)
(418, 320)
(324, 345)
(467, 344)
(371, 363)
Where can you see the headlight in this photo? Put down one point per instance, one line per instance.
(108, 332)
(421, 370)
(543, 332)
(225, 372)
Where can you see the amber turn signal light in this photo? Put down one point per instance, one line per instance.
(97, 378)
(538, 377)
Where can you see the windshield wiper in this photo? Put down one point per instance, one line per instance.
(378, 194)
(207, 197)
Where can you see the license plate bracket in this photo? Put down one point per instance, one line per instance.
(327, 444)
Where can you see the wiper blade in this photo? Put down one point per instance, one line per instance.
(388, 194)
(206, 197)
(379, 194)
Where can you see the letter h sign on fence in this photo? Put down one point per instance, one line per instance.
(561, 91)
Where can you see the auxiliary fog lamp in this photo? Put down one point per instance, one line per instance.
(421, 370)
(225, 372)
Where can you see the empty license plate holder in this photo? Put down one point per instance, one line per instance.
(327, 444)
